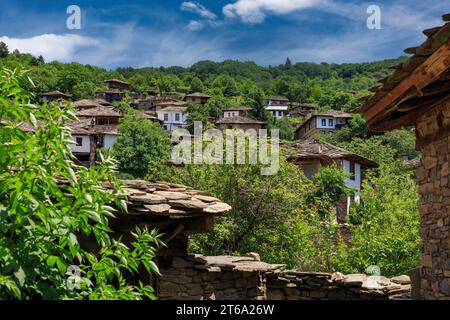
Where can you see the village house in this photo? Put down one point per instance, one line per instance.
(115, 92)
(277, 106)
(418, 94)
(172, 117)
(301, 110)
(54, 95)
(239, 122)
(95, 129)
(313, 154)
(323, 122)
(236, 111)
(197, 98)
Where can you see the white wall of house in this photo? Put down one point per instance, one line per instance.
(229, 114)
(109, 140)
(84, 147)
(325, 122)
(354, 183)
(172, 119)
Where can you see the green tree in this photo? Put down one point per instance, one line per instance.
(141, 146)
(196, 113)
(197, 85)
(3, 50)
(48, 204)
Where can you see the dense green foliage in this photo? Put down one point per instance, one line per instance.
(49, 206)
(142, 146)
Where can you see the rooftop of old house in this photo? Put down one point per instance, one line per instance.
(198, 95)
(100, 111)
(116, 81)
(86, 127)
(238, 120)
(237, 108)
(88, 103)
(321, 150)
(415, 86)
(56, 94)
(174, 108)
(169, 199)
(278, 98)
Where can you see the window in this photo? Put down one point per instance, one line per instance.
(324, 122)
(166, 117)
(79, 141)
(352, 170)
(177, 117)
(330, 122)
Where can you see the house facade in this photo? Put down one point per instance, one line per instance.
(311, 155)
(237, 111)
(418, 94)
(54, 95)
(197, 98)
(323, 122)
(115, 92)
(278, 106)
(239, 122)
(300, 110)
(172, 117)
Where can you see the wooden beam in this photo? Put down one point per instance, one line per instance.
(426, 73)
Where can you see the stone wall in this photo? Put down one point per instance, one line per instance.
(433, 177)
(246, 278)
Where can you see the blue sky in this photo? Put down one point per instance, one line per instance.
(173, 32)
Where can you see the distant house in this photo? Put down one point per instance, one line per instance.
(237, 111)
(312, 154)
(323, 122)
(115, 92)
(300, 110)
(172, 117)
(101, 114)
(90, 103)
(115, 84)
(239, 122)
(54, 95)
(277, 106)
(197, 98)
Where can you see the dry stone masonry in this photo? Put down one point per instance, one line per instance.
(433, 177)
(247, 278)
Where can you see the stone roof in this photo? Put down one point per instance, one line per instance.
(237, 108)
(411, 82)
(86, 127)
(100, 111)
(87, 103)
(116, 81)
(317, 149)
(198, 95)
(169, 199)
(173, 109)
(278, 98)
(238, 120)
(56, 94)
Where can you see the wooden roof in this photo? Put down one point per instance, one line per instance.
(317, 149)
(415, 86)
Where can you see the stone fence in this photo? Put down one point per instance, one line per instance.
(246, 278)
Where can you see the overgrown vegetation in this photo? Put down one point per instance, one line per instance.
(49, 207)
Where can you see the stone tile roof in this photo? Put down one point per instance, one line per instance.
(100, 111)
(85, 127)
(116, 81)
(277, 98)
(87, 103)
(238, 120)
(173, 109)
(198, 95)
(317, 149)
(237, 108)
(169, 199)
(56, 94)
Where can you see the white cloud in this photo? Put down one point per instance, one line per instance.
(254, 11)
(195, 25)
(50, 46)
(198, 8)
